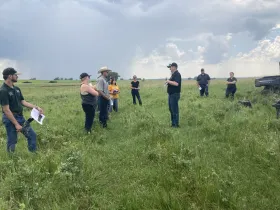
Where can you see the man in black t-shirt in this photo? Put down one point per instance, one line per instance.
(12, 102)
(174, 90)
(135, 87)
(231, 86)
(203, 81)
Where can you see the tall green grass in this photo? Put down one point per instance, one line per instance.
(224, 156)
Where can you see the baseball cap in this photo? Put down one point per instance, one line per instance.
(83, 75)
(202, 69)
(10, 71)
(174, 64)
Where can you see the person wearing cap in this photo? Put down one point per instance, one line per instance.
(12, 102)
(104, 96)
(203, 81)
(89, 100)
(135, 87)
(174, 90)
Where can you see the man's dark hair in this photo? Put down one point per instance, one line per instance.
(202, 69)
(7, 72)
(112, 81)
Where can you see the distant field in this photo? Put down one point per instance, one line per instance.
(224, 156)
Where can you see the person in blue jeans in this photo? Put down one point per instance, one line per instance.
(203, 81)
(104, 96)
(12, 102)
(135, 88)
(114, 91)
(174, 91)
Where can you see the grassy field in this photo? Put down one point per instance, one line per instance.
(224, 156)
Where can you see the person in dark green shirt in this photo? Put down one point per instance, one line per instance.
(12, 102)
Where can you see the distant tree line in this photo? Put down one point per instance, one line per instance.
(114, 75)
(143, 79)
(57, 78)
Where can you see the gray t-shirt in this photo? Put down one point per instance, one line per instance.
(102, 85)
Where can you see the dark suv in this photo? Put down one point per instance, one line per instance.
(270, 83)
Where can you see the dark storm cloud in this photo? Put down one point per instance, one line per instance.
(65, 38)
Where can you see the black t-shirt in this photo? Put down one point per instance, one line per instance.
(135, 85)
(176, 76)
(202, 79)
(231, 80)
(12, 97)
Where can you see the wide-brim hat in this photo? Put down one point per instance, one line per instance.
(103, 69)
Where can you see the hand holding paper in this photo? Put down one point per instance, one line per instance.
(35, 114)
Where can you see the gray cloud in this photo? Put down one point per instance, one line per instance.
(65, 38)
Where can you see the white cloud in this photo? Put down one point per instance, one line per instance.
(277, 26)
(260, 61)
(266, 50)
(5, 63)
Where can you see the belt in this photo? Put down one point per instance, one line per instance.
(17, 113)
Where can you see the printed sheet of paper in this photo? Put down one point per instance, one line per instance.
(35, 114)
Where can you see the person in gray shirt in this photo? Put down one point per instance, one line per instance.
(203, 81)
(104, 96)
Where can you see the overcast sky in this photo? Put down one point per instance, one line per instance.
(67, 37)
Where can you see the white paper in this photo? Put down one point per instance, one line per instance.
(35, 114)
(111, 102)
(199, 88)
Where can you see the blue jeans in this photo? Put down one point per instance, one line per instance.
(173, 100)
(12, 137)
(115, 106)
(103, 111)
(204, 90)
(230, 92)
(135, 94)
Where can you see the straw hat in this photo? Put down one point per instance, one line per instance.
(103, 69)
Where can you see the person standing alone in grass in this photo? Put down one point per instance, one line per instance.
(104, 96)
(89, 100)
(12, 102)
(114, 91)
(135, 87)
(231, 86)
(174, 90)
(203, 81)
